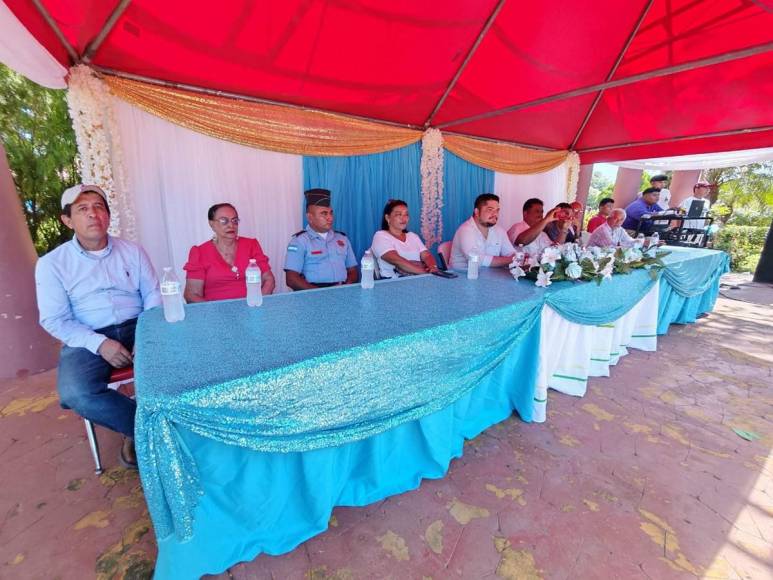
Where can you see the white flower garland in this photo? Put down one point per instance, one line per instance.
(99, 146)
(572, 175)
(432, 187)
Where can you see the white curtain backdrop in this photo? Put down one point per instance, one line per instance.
(513, 190)
(702, 161)
(174, 175)
(20, 52)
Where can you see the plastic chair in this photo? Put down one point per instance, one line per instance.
(117, 378)
(444, 250)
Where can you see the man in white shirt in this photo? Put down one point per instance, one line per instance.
(700, 191)
(90, 291)
(480, 235)
(611, 233)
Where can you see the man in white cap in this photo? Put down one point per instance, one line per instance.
(700, 193)
(90, 291)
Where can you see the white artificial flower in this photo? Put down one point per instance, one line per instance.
(517, 272)
(574, 271)
(550, 256)
(607, 270)
(569, 252)
(543, 278)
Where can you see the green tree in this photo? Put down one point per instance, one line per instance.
(40, 143)
(742, 195)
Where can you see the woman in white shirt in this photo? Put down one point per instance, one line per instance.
(399, 251)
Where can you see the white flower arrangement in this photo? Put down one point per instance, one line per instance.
(572, 175)
(574, 262)
(432, 187)
(96, 132)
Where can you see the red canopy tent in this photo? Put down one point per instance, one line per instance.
(611, 80)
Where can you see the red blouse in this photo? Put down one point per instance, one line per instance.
(221, 281)
(595, 222)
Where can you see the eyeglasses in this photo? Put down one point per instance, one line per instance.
(223, 221)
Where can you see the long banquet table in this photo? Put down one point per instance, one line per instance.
(254, 423)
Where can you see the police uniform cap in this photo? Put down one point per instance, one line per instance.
(317, 196)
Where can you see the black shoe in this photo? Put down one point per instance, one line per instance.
(127, 457)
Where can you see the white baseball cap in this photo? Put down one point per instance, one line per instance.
(71, 193)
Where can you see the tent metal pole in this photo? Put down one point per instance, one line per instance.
(680, 138)
(657, 73)
(490, 140)
(466, 60)
(93, 46)
(628, 42)
(240, 97)
(57, 31)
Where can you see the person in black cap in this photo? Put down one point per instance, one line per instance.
(660, 182)
(319, 256)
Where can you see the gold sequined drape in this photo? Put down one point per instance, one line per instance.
(503, 157)
(265, 126)
(309, 132)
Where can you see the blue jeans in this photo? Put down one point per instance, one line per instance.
(82, 383)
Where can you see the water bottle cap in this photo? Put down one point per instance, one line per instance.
(253, 261)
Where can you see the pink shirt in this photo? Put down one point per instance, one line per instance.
(221, 281)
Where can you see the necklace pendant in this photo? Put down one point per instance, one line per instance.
(235, 270)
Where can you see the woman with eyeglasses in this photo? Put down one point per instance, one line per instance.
(215, 269)
(399, 251)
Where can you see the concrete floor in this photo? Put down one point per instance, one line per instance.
(650, 475)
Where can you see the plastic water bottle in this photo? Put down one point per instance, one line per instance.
(368, 267)
(252, 276)
(654, 240)
(639, 241)
(473, 265)
(171, 296)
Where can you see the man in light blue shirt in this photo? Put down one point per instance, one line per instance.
(90, 291)
(319, 256)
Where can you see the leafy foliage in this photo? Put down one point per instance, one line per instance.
(37, 134)
(743, 244)
(742, 195)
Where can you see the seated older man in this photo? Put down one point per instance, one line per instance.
(611, 233)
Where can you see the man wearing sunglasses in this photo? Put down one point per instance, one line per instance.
(90, 291)
(319, 256)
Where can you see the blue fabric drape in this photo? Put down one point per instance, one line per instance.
(265, 379)
(593, 304)
(271, 502)
(463, 182)
(689, 287)
(361, 186)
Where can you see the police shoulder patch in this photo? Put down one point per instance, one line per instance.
(292, 248)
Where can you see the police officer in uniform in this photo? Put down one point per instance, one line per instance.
(319, 256)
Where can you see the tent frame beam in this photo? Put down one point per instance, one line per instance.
(241, 97)
(653, 74)
(74, 58)
(612, 72)
(489, 23)
(674, 139)
(107, 27)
